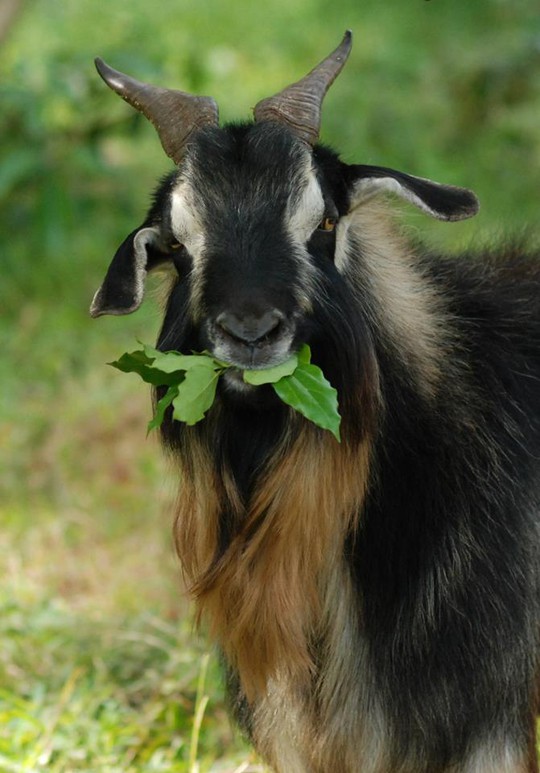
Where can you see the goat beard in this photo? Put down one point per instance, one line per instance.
(261, 592)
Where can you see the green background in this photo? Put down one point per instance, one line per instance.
(99, 667)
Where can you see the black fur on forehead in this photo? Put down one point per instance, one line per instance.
(261, 148)
(262, 161)
(249, 164)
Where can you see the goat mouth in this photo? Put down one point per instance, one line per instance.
(257, 356)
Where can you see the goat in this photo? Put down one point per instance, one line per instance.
(376, 602)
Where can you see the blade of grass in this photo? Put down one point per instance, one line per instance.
(45, 746)
(200, 707)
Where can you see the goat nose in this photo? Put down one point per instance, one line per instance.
(250, 328)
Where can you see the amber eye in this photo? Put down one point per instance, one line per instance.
(328, 224)
(175, 246)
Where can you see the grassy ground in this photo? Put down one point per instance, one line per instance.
(100, 669)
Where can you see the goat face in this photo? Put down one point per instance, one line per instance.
(249, 220)
(244, 207)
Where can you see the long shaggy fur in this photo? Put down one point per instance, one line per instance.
(261, 591)
(365, 591)
(377, 602)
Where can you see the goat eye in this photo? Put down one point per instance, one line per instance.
(327, 224)
(175, 246)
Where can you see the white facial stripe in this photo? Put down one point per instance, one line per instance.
(306, 211)
(185, 224)
(188, 230)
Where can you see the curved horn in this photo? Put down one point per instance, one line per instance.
(174, 114)
(299, 105)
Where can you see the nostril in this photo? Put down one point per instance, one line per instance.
(269, 324)
(249, 328)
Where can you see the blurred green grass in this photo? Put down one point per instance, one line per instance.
(99, 665)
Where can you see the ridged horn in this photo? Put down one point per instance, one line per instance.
(174, 114)
(299, 105)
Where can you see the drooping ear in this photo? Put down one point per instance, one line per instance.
(445, 202)
(122, 290)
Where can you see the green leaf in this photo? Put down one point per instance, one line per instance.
(195, 394)
(150, 351)
(162, 406)
(192, 381)
(170, 362)
(132, 362)
(304, 355)
(138, 362)
(271, 375)
(308, 392)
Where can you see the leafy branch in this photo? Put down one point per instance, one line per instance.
(192, 379)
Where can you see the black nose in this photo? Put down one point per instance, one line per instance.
(251, 329)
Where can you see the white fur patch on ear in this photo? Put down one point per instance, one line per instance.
(444, 202)
(144, 237)
(365, 189)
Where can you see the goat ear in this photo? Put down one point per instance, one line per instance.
(122, 290)
(445, 202)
